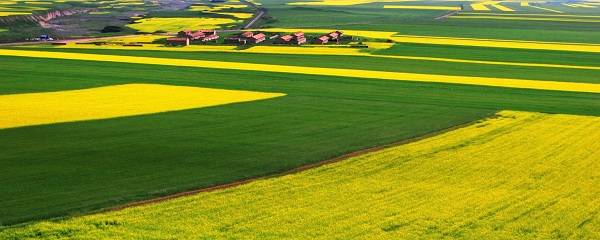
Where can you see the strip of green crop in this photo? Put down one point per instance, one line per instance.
(394, 64)
(367, 74)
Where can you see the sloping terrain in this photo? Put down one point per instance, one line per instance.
(517, 175)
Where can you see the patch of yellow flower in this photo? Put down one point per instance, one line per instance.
(545, 19)
(423, 7)
(530, 15)
(136, 39)
(343, 2)
(518, 175)
(4, 14)
(18, 110)
(151, 25)
(217, 9)
(337, 72)
(237, 15)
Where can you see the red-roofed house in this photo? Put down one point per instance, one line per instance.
(247, 34)
(285, 39)
(211, 37)
(208, 31)
(257, 38)
(322, 39)
(333, 35)
(178, 41)
(300, 40)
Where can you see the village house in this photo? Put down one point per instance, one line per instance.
(257, 38)
(197, 35)
(247, 34)
(185, 37)
(297, 38)
(236, 40)
(285, 39)
(191, 35)
(178, 41)
(332, 36)
(246, 38)
(322, 39)
(212, 37)
(336, 35)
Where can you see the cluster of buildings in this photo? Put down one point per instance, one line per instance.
(297, 38)
(334, 36)
(188, 36)
(248, 37)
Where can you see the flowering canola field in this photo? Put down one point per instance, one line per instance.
(581, 20)
(338, 72)
(341, 2)
(151, 25)
(18, 110)
(517, 175)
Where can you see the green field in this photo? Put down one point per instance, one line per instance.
(401, 65)
(62, 170)
(221, 144)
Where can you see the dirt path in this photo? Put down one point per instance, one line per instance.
(260, 12)
(447, 15)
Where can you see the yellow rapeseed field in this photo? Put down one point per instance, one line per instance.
(422, 7)
(484, 6)
(18, 110)
(4, 14)
(151, 25)
(478, 42)
(338, 72)
(237, 15)
(547, 19)
(343, 2)
(518, 175)
(135, 39)
(531, 15)
(217, 9)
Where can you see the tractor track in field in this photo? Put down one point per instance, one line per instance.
(293, 170)
(447, 15)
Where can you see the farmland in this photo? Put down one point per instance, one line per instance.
(451, 185)
(45, 108)
(398, 76)
(150, 25)
(479, 124)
